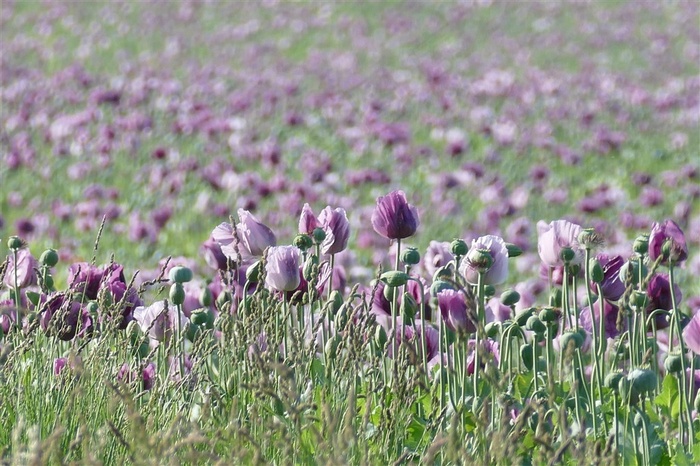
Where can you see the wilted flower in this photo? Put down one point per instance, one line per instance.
(25, 269)
(158, 322)
(554, 237)
(668, 231)
(394, 217)
(497, 273)
(337, 227)
(282, 268)
(613, 286)
(454, 310)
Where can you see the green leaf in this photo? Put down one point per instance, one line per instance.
(681, 458)
(667, 400)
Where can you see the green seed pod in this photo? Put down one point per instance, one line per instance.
(410, 256)
(574, 269)
(336, 301)
(642, 380)
(567, 254)
(331, 348)
(459, 247)
(180, 274)
(535, 324)
(639, 299)
(192, 332)
(588, 238)
(612, 380)
(673, 363)
(596, 271)
(252, 275)
(571, 338)
(513, 250)
(548, 314)
(510, 297)
(319, 235)
(489, 291)
(177, 294)
(202, 317)
(380, 337)
(555, 297)
(409, 307)
(394, 278)
(641, 244)
(49, 258)
(438, 286)
(303, 242)
(14, 243)
(206, 297)
(223, 298)
(310, 267)
(526, 355)
(492, 329)
(522, 316)
(93, 308)
(480, 260)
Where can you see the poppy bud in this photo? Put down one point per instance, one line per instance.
(522, 316)
(252, 275)
(180, 274)
(612, 380)
(331, 348)
(438, 286)
(49, 258)
(596, 271)
(14, 243)
(526, 355)
(492, 329)
(409, 307)
(489, 291)
(410, 256)
(380, 337)
(459, 247)
(641, 244)
(319, 235)
(205, 297)
(513, 250)
(673, 363)
(642, 380)
(555, 297)
(394, 278)
(510, 297)
(535, 324)
(573, 338)
(177, 294)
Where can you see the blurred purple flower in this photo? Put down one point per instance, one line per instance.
(437, 255)
(159, 323)
(612, 286)
(282, 268)
(659, 295)
(394, 217)
(660, 234)
(610, 311)
(214, 256)
(65, 318)
(691, 334)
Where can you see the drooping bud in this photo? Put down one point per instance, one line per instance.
(522, 316)
(510, 297)
(491, 329)
(535, 324)
(252, 275)
(394, 278)
(596, 271)
(331, 348)
(409, 307)
(513, 250)
(336, 301)
(380, 337)
(489, 291)
(177, 294)
(673, 363)
(612, 380)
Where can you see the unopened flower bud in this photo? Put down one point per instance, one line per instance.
(336, 301)
(535, 324)
(14, 243)
(612, 380)
(49, 258)
(410, 256)
(177, 293)
(673, 363)
(380, 337)
(223, 298)
(303, 242)
(93, 307)
(522, 316)
(319, 235)
(489, 291)
(459, 247)
(252, 275)
(202, 317)
(596, 271)
(526, 355)
(394, 278)
(510, 297)
(642, 380)
(48, 281)
(513, 250)
(180, 274)
(641, 244)
(567, 254)
(205, 297)
(491, 329)
(555, 297)
(409, 307)
(639, 299)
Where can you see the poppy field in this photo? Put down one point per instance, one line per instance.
(348, 233)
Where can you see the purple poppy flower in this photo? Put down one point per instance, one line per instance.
(610, 312)
(282, 268)
(660, 234)
(159, 323)
(125, 300)
(659, 295)
(65, 318)
(255, 236)
(148, 376)
(85, 278)
(58, 365)
(613, 286)
(214, 256)
(337, 227)
(307, 221)
(489, 352)
(554, 237)
(453, 307)
(691, 334)
(437, 255)
(394, 217)
(25, 269)
(498, 272)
